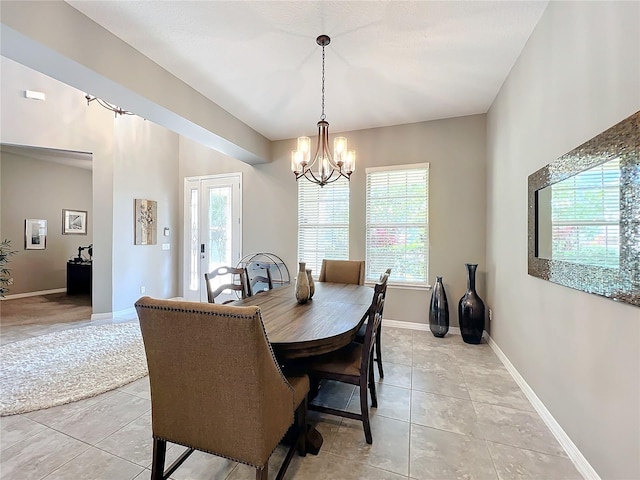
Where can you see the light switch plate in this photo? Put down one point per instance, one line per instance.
(166, 246)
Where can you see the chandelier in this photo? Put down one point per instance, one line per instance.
(328, 169)
(116, 110)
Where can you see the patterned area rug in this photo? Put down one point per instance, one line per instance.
(70, 365)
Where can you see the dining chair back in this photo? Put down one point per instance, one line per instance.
(216, 385)
(361, 333)
(237, 284)
(259, 277)
(352, 364)
(342, 271)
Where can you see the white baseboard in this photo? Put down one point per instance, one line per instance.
(567, 444)
(33, 294)
(126, 313)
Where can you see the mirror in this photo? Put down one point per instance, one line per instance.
(584, 216)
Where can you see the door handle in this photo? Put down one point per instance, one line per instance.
(202, 250)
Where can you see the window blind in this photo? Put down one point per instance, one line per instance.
(585, 216)
(323, 222)
(397, 223)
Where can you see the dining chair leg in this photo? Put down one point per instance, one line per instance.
(379, 351)
(364, 409)
(372, 384)
(301, 417)
(159, 455)
(262, 474)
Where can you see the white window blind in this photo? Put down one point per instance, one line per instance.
(585, 216)
(398, 223)
(323, 222)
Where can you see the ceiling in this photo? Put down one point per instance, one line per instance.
(389, 62)
(64, 157)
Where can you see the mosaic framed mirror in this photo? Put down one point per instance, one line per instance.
(584, 216)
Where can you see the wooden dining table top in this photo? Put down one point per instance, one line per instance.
(327, 322)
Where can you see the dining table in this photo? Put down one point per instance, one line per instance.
(326, 322)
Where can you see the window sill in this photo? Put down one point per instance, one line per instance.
(401, 286)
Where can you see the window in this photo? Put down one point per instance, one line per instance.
(397, 223)
(323, 222)
(585, 217)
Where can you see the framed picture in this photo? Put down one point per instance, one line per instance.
(35, 234)
(74, 222)
(146, 221)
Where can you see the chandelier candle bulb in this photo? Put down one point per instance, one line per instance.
(350, 164)
(339, 149)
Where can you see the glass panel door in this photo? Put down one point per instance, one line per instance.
(212, 229)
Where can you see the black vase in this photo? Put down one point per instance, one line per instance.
(471, 309)
(439, 310)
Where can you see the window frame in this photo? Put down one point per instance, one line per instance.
(370, 277)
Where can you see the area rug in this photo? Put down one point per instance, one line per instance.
(70, 365)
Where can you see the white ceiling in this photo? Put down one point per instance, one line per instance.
(389, 62)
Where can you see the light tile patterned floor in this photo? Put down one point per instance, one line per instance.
(447, 410)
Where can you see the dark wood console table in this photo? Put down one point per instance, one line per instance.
(79, 278)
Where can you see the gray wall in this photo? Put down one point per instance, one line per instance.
(33, 188)
(578, 75)
(455, 149)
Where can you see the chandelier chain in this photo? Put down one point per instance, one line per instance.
(323, 116)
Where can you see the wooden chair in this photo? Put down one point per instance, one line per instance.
(241, 287)
(260, 273)
(361, 334)
(342, 271)
(351, 364)
(216, 385)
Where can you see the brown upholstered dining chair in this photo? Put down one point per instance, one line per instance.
(239, 285)
(259, 278)
(361, 333)
(216, 386)
(352, 364)
(342, 271)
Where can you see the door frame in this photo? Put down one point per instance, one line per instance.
(187, 186)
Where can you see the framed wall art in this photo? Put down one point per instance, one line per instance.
(74, 222)
(35, 234)
(146, 221)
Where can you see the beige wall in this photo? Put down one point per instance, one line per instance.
(132, 158)
(578, 75)
(33, 188)
(455, 149)
(146, 167)
(64, 122)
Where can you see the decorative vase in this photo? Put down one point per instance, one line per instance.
(302, 284)
(312, 286)
(471, 310)
(439, 310)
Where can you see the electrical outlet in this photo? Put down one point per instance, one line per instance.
(490, 314)
(143, 289)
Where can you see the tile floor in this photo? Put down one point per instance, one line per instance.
(447, 410)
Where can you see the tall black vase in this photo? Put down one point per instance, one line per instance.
(471, 309)
(439, 310)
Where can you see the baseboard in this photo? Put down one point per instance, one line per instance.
(569, 447)
(34, 294)
(126, 313)
(423, 327)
